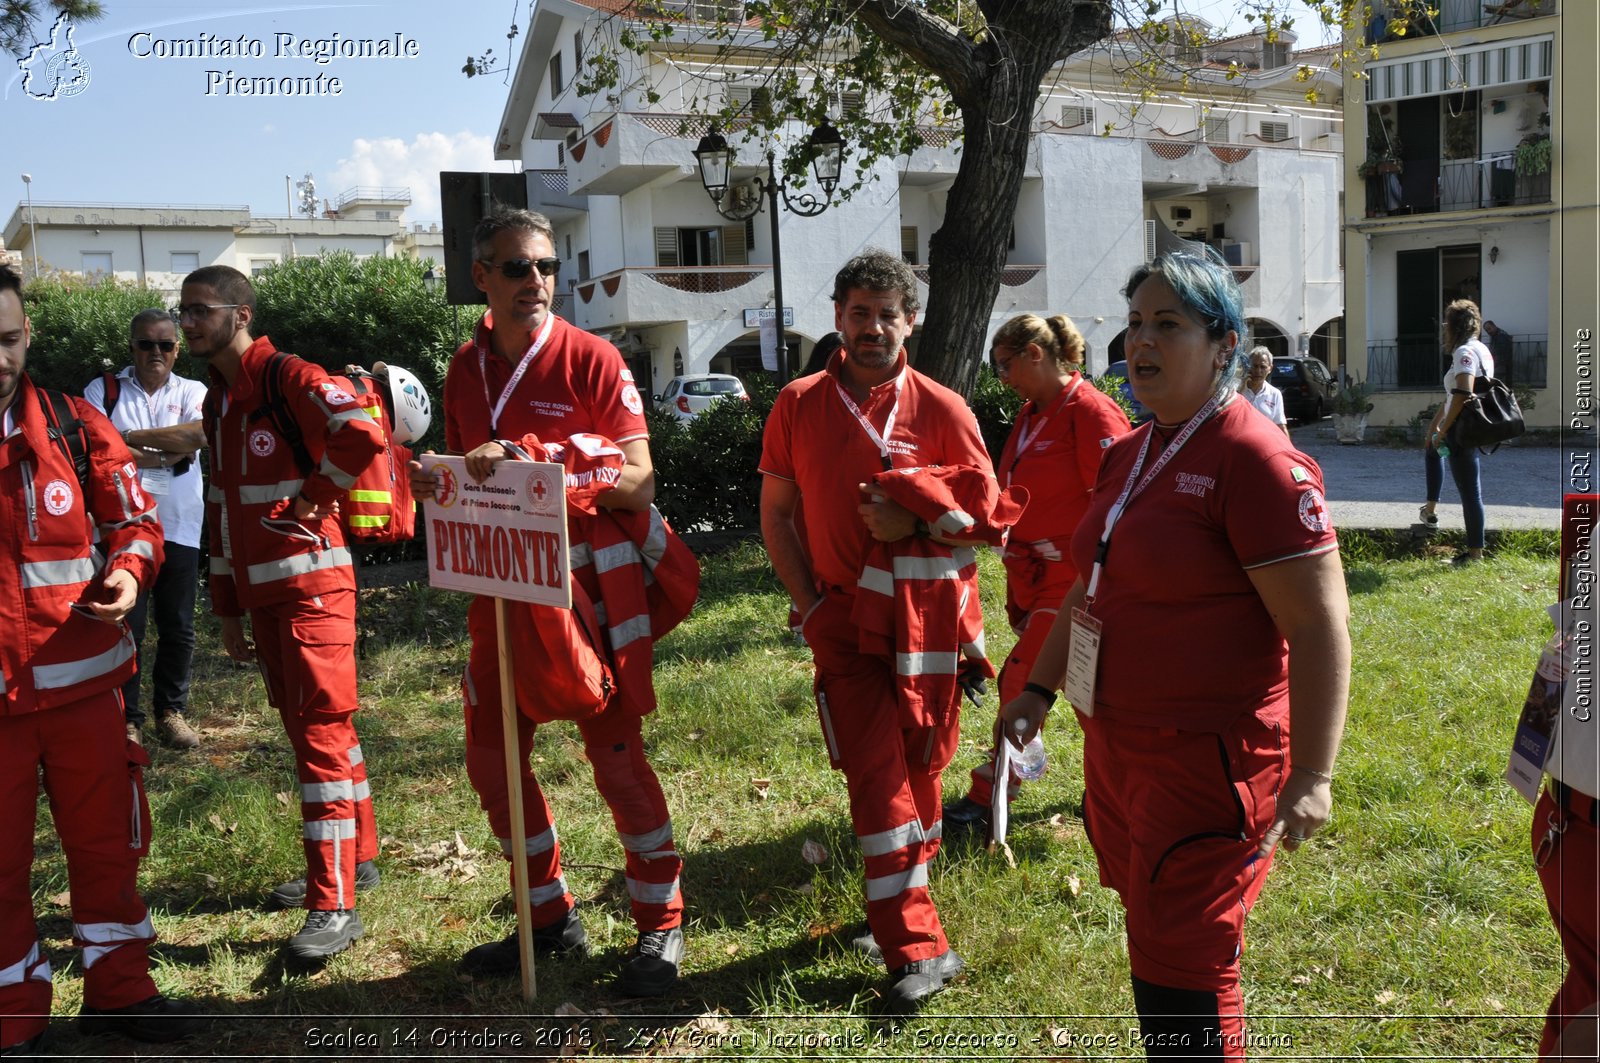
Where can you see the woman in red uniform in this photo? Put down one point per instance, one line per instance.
(1210, 658)
(1054, 450)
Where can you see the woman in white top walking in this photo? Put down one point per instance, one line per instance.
(1470, 359)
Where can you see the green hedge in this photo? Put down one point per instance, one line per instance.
(80, 329)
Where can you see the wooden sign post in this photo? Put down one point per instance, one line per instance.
(505, 538)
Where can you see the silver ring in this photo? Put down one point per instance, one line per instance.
(1296, 837)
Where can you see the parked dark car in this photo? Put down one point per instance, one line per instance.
(1120, 371)
(1307, 388)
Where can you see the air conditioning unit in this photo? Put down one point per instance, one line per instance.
(1076, 114)
(1275, 132)
(743, 197)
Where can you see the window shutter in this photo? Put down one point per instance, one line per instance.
(1076, 114)
(1216, 130)
(733, 249)
(666, 246)
(1149, 240)
(909, 244)
(1274, 132)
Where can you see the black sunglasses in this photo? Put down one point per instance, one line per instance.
(518, 268)
(167, 346)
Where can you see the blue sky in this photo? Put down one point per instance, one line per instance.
(145, 130)
(160, 130)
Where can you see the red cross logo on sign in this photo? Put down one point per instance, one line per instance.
(57, 497)
(538, 490)
(1313, 513)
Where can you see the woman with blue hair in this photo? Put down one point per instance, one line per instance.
(1209, 625)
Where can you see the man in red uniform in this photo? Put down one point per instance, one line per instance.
(828, 435)
(525, 373)
(62, 667)
(278, 551)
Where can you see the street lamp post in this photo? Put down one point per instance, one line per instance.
(33, 231)
(715, 157)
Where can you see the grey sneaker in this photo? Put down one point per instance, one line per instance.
(292, 894)
(132, 731)
(866, 944)
(652, 970)
(564, 937)
(175, 732)
(920, 979)
(326, 933)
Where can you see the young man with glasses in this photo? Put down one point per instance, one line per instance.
(278, 554)
(158, 413)
(63, 661)
(528, 373)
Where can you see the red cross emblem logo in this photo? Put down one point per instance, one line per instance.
(1313, 512)
(57, 497)
(538, 490)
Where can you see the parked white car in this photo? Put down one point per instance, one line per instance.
(686, 397)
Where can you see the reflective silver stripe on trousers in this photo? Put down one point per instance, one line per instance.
(926, 663)
(321, 830)
(103, 937)
(648, 842)
(220, 567)
(887, 841)
(827, 726)
(926, 568)
(339, 790)
(56, 573)
(214, 494)
(628, 631)
(363, 791)
(299, 565)
(550, 891)
(55, 676)
(877, 580)
(356, 756)
(892, 885)
(652, 892)
(260, 494)
(30, 967)
(539, 843)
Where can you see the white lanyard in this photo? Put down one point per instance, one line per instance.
(1026, 438)
(878, 441)
(1130, 492)
(511, 385)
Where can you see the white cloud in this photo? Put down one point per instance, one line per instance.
(390, 162)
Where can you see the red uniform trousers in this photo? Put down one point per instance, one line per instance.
(94, 779)
(1175, 818)
(307, 652)
(892, 772)
(1569, 870)
(1013, 677)
(615, 747)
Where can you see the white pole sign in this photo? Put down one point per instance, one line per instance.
(505, 537)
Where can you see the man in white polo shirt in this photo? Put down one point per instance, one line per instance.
(158, 414)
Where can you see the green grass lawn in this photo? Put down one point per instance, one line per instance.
(1412, 927)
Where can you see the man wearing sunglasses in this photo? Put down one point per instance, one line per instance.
(527, 373)
(158, 413)
(279, 556)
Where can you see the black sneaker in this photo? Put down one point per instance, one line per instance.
(866, 945)
(326, 933)
(920, 979)
(652, 970)
(564, 937)
(292, 894)
(157, 1021)
(966, 814)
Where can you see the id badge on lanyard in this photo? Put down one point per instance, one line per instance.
(1083, 656)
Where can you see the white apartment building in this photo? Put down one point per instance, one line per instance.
(157, 245)
(1471, 167)
(1246, 164)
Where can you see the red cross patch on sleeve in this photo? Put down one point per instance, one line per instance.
(1313, 511)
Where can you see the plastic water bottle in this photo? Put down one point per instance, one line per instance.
(1029, 763)
(1444, 451)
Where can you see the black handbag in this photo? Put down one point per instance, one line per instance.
(1489, 416)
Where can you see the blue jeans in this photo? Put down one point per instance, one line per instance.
(174, 595)
(1464, 471)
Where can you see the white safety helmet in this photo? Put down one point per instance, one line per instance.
(408, 405)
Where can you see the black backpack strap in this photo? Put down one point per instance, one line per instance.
(66, 431)
(276, 410)
(113, 391)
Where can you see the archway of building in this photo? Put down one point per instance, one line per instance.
(1327, 343)
(1264, 333)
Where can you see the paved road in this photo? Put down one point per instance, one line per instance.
(1373, 486)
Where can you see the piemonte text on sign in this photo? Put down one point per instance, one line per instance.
(505, 537)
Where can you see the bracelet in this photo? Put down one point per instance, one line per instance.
(1314, 773)
(1043, 691)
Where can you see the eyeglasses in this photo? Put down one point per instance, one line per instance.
(167, 346)
(518, 268)
(196, 311)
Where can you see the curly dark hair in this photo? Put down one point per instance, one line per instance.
(878, 270)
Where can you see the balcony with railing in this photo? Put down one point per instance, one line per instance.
(1419, 364)
(547, 194)
(1491, 180)
(638, 295)
(1452, 16)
